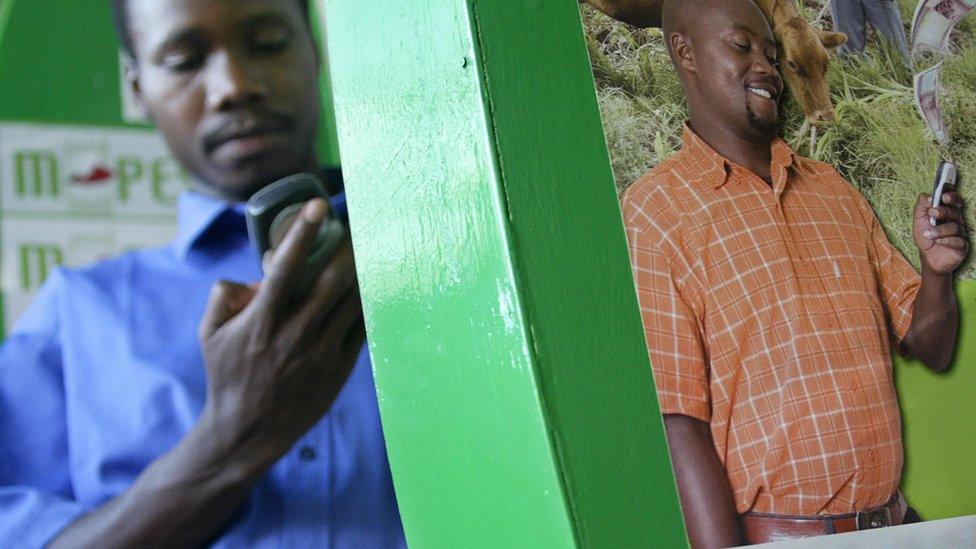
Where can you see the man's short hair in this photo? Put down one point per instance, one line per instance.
(120, 16)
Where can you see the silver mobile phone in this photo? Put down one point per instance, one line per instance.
(945, 180)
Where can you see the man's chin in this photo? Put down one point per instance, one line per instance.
(242, 183)
(766, 127)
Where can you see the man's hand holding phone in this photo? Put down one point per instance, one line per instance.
(276, 360)
(939, 230)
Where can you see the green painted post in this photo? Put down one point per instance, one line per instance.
(510, 364)
(328, 141)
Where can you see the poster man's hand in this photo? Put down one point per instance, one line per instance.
(274, 364)
(942, 247)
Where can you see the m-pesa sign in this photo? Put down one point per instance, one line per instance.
(71, 195)
(98, 170)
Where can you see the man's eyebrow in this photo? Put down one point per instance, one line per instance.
(768, 40)
(181, 36)
(265, 18)
(194, 34)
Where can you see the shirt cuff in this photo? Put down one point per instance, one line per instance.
(698, 410)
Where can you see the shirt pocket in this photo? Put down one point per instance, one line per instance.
(848, 270)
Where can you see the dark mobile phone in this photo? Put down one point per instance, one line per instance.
(945, 180)
(273, 209)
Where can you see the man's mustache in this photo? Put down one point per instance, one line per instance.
(245, 124)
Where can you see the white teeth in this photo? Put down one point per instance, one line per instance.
(761, 93)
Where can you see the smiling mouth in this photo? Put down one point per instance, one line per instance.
(760, 92)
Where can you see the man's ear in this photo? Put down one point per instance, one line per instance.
(830, 39)
(681, 50)
(132, 81)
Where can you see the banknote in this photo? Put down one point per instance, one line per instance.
(934, 21)
(927, 89)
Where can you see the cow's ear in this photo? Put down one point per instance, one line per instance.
(831, 39)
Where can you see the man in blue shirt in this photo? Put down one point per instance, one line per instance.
(121, 423)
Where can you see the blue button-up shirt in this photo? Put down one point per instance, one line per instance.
(104, 374)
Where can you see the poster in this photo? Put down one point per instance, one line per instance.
(71, 195)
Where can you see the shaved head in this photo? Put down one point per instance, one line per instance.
(680, 16)
(686, 17)
(726, 58)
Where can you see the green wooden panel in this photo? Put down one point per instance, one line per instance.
(58, 62)
(328, 141)
(939, 415)
(509, 359)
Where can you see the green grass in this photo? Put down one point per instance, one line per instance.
(878, 142)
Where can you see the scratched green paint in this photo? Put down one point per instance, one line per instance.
(509, 359)
(452, 362)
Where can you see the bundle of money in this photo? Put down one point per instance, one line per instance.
(934, 21)
(927, 89)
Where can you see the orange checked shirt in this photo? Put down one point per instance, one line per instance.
(769, 313)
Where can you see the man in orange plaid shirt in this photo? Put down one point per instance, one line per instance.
(771, 299)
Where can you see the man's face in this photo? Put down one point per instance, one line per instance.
(736, 59)
(232, 86)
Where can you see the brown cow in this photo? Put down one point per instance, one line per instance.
(802, 48)
(639, 13)
(803, 57)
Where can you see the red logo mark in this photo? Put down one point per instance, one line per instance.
(98, 174)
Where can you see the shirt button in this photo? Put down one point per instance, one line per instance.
(853, 385)
(307, 453)
(871, 455)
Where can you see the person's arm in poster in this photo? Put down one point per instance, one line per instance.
(671, 313)
(931, 337)
(703, 487)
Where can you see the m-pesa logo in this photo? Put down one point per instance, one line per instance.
(71, 194)
(47, 175)
(94, 176)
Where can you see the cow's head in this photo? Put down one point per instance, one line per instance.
(803, 59)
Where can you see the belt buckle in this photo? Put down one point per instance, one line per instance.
(868, 519)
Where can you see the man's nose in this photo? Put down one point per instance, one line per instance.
(232, 82)
(762, 65)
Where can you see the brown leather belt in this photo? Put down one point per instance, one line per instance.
(765, 527)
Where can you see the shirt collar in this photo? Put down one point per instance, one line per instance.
(195, 214)
(715, 168)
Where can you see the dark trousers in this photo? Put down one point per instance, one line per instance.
(852, 16)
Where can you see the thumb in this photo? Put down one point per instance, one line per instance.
(227, 300)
